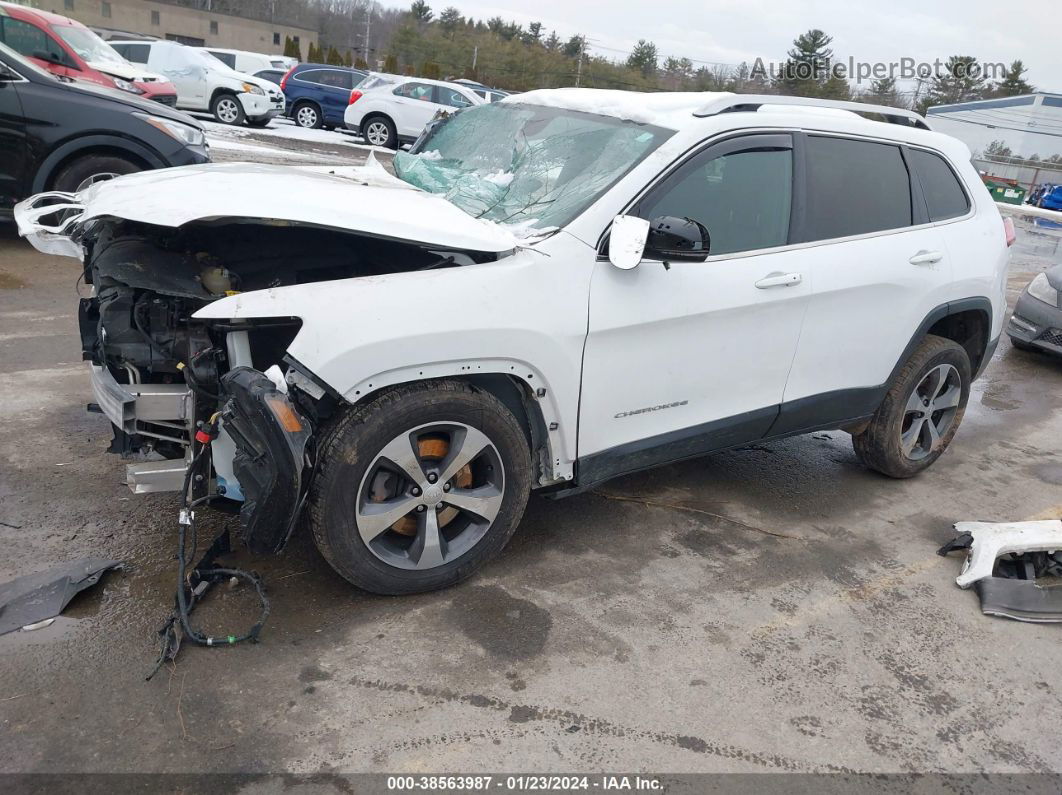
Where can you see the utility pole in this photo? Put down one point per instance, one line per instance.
(579, 68)
(475, 57)
(368, 28)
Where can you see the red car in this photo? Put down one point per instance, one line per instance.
(65, 47)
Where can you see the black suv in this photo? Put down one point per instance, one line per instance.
(57, 135)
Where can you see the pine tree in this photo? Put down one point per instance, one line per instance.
(1013, 83)
(643, 57)
(553, 42)
(334, 58)
(348, 59)
(450, 19)
(391, 64)
(420, 11)
(361, 63)
(431, 70)
(883, 92)
(574, 46)
(961, 81)
(807, 72)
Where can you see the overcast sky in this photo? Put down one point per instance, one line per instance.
(732, 31)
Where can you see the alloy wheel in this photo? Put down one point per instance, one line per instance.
(306, 117)
(930, 412)
(430, 495)
(227, 110)
(377, 133)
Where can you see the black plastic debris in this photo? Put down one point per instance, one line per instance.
(36, 597)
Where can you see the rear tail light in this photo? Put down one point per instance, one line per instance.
(284, 79)
(355, 95)
(1008, 230)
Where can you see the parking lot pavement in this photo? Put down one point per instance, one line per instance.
(773, 608)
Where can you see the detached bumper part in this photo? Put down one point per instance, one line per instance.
(1003, 563)
(270, 462)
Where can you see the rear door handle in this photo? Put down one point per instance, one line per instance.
(924, 257)
(779, 280)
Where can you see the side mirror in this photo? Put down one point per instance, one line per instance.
(626, 241)
(673, 238)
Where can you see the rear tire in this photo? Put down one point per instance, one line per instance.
(907, 433)
(380, 131)
(259, 122)
(87, 169)
(307, 115)
(227, 109)
(358, 474)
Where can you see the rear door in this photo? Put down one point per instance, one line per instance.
(878, 267)
(186, 70)
(414, 104)
(335, 85)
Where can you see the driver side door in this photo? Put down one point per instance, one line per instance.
(687, 357)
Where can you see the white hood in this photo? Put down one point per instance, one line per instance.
(359, 199)
(126, 72)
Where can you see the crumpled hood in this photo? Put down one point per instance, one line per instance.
(126, 72)
(362, 199)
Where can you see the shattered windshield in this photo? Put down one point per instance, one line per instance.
(527, 165)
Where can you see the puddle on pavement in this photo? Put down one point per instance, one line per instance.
(997, 396)
(62, 628)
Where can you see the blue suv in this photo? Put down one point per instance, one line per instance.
(316, 94)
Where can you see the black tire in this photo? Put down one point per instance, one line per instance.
(391, 141)
(307, 115)
(879, 445)
(76, 172)
(227, 109)
(351, 446)
(260, 122)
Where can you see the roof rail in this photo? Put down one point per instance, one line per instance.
(747, 103)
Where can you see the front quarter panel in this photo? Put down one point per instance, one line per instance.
(524, 316)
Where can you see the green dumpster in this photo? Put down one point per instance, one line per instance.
(1005, 191)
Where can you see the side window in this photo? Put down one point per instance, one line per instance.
(453, 98)
(944, 194)
(26, 39)
(226, 58)
(137, 53)
(743, 198)
(309, 76)
(420, 91)
(854, 187)
(336, 79)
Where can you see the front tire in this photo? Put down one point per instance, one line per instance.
(918, 418)
(89, 169)
(227, 109)
(420, 487)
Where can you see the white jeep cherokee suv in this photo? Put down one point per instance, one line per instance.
(556, 289)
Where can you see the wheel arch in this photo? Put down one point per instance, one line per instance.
(520, 387)
(219, 91)
(112, 145)
(969, 323)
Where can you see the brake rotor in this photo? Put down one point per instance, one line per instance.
(386, 484)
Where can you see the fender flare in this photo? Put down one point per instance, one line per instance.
(543, 399)
(977, 303)
(87, 142)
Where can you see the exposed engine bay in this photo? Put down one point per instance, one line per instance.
(160, 375)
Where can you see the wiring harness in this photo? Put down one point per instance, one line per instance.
(193, 585)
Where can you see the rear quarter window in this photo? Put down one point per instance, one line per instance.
(854, 188)
(945, 197)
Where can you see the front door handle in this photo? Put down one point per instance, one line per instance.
(924, 257)
(779, 280)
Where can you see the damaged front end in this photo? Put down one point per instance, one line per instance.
(273, 460)
(156, 248)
